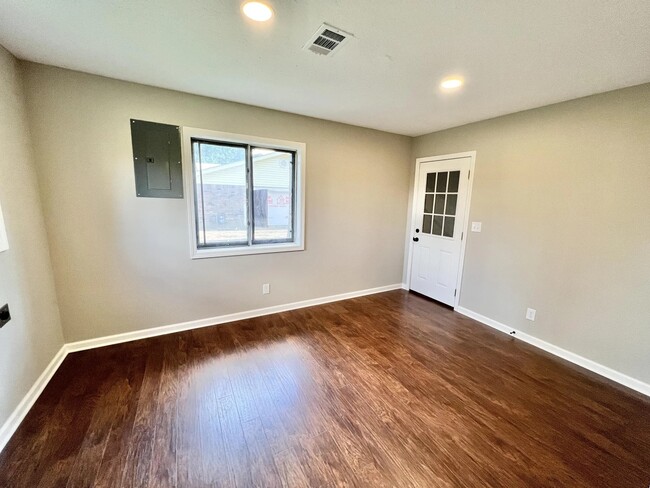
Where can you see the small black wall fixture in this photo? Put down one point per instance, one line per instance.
(157, 159)
(5, 315)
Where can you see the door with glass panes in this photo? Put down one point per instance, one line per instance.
(437, 233)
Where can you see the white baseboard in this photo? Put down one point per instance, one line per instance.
(221, 319)
(593, 366)
(17, 416)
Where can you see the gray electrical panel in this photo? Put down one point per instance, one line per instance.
(157, 159)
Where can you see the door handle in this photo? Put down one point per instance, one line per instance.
(416, 239)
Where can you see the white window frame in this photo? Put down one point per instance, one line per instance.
(299, 148)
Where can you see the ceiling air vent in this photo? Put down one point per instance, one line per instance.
(327, 40)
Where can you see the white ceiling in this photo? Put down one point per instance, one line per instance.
(514, 54)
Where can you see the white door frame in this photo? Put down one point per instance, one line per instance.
(465, 221)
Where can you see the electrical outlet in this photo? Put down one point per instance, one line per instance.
(266, 289)
(476, 226)
(5, 316)
(530, 313)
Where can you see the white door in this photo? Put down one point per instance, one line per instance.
(438, 230)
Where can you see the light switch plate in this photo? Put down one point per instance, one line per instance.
(4, 243)
(476, 226)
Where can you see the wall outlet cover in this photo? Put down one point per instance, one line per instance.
(266, 289)
(530, 313)
(476, 226)
(4, 243)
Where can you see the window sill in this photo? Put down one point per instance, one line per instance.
(246, 250)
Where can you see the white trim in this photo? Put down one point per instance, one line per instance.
(19, 413)
(465, 224)
(245, 250)
(221, 319)
(588, 364)
(300, 148)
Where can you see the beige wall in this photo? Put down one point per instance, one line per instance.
(563, 193)
(122, 263)
(33, 336)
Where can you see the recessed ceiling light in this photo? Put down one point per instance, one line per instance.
(257, 11)
(451, 83)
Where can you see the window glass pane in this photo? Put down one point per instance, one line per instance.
(431, 182)
(451, 204)
(428, 203)
(220, 188)
(437, 225)
(426, 224)
(440, 204)
(454, 177)
(441, 184)
(449, 227)
(273, 182)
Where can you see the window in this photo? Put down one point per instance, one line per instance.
(441, 195)
(246, 194)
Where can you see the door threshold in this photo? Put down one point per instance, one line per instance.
(431, 300)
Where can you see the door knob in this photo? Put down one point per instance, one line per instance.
(416, 239)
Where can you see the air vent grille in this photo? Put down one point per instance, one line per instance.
(333, 35)
(326, 40)
(326, 43)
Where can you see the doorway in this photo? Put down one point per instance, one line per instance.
(441, 199)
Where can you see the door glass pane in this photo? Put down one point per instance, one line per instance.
(449, 227)
(272, 195)
(428, 203)
(440, 204)
(437, 225)
(220, 188)
(431, 182)
(426, 224)
(454, 178)
(451, 204)
(441, 184)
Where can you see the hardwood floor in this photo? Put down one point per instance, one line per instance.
(385, 390)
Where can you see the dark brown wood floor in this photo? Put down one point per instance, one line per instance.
(385, 390)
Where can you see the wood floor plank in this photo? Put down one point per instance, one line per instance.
(323, 462)
(263, 471)
(211, 389)
(119, 439)
(190, 455)
(249, 340)
(163, 473)
(91, 452)
(387, 390)
(236, 455)
(290, 469)
(137, 470)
